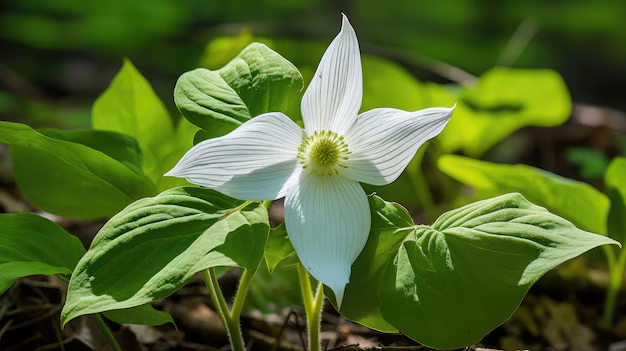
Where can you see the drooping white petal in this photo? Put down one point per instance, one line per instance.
(328, 221)
(333, 99)
(383, 141)
(253, 162)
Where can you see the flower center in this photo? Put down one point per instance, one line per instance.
(323, 153)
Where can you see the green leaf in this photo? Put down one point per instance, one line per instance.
(258, 80)
(504, 101)
(155, 245)
(130, 106)
(614, 179)
(279, 248)
(576, 201)
(31, 244)
(143, 315)
(120, 147)
(454, 282)
(70, 179)
(362, 296)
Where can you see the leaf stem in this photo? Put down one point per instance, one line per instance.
(106, 332)
(231, 319)
(267, 204)
(233, 210)
(312, 307)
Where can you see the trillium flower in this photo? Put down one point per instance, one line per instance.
(318, 169)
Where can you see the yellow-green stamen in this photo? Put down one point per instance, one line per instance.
(323, 153)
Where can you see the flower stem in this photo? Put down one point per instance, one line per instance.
(616, 277)
(106, 332)
(312, 307)
(231, 319)
(240, 297)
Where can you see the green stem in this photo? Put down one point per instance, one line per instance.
(616, 277)
(267, 204)
(305, 289)
(240, 297)
(106, 332)
(312, 307)
(314, 320)
(216, 293)
(231, 319)
(610, 255)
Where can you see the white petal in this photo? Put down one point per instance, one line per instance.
(333, 99)
(383, 141)
(328, 221)
(253, 162)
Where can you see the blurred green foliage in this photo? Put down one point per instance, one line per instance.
(592, 163)
(576, 201)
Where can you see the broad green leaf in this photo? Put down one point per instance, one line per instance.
(279, 249)
(454, 282)
(576, 201)
(155, 245)
(120, 147)
(258, 80)
(130, 106)
(143, 314)
(31, 244)
(70, 179)
(361, 302)
(503, 101)
(615, 181)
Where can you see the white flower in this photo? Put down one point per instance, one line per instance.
(318, 169)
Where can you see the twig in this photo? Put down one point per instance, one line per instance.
(5, 328)
(57, 332)
(300, 333)
(597, 116)
(435, 66)
(196, 346)
(524, 33)
(355, 347)
(60, 343)
(37, 319)
(29, 308)
(268, 340)
(26, 341)
(4, 306)
(282, 329)
(19, 84)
